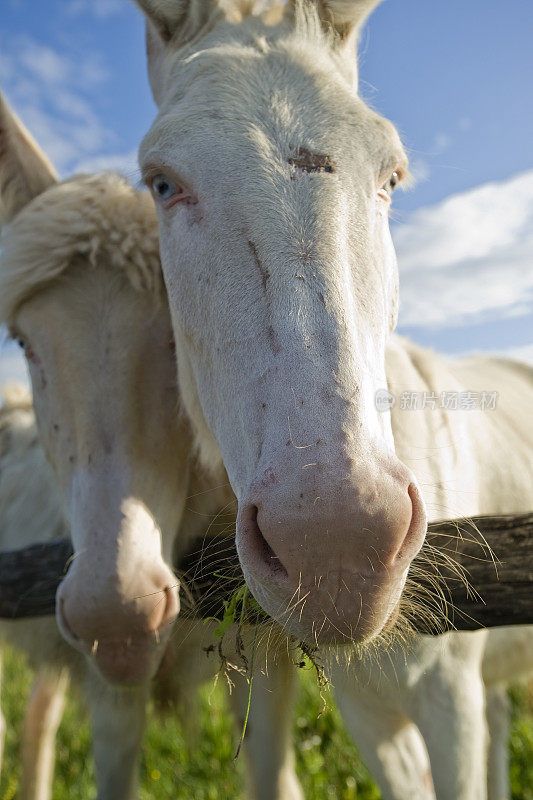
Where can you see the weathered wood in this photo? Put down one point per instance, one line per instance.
(29, 578)
(483, 566)
(495, 556)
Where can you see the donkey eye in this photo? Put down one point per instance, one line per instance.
(24, 345)
(163, 187)
(385, 193)
(390, 185)
(393, 182)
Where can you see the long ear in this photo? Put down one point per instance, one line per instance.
(156, 48)
(346, 17)
(25, 171)
(182, 18)
(173, 22)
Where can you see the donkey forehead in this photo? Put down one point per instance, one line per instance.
(282, 98)
(100, 309)
(245, 69)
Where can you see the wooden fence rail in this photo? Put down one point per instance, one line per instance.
(484, 567)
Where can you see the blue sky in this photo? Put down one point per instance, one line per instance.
(454, 76)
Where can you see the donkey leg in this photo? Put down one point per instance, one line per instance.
(389, 743)
(499, 725)
(43, 715)
(118, 722)
(267, 745)
(451, 717)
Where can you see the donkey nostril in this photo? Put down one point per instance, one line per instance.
(416, 530)
(263, 548)
(64, 624)
(165, 608)
(172, 605)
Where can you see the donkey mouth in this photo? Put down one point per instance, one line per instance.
(126, 660)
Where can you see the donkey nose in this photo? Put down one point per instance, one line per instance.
(103, 610)
(378, 534)
(342, 547)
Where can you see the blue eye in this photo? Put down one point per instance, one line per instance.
(163, 187)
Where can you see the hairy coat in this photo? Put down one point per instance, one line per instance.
(272, 180)
(96, 334)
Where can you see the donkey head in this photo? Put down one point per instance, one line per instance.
(273, 181)
(81, 289)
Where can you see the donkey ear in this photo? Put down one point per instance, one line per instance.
(170, 21)
(156, 48)
(180, 18)
(25, 171)
(345, 17)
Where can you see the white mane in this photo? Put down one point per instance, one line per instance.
(100, 218)
(14, 396)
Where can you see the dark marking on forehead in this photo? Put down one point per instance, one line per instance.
(273, 341)
(306, 161)
(265, 274)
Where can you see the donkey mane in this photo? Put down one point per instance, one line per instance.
(14, 396)
(100, 218)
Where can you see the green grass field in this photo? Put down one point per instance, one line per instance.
(328, 764)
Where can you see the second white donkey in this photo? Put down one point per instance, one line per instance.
(81, 289)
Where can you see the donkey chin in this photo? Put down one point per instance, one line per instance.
(127, 661)
(125, 654)
(361, 608)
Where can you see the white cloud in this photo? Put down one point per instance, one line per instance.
(86, 70)
(51, 93)
(125, 163)
(469, 258)
(45, 63)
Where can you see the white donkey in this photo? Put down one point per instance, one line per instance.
(82, 291)
(273, 181)
(30, 511)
